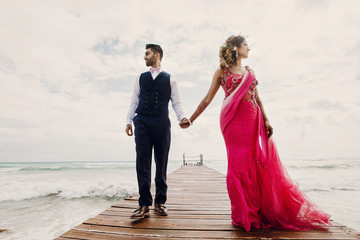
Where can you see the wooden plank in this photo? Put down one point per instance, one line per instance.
(167, 234)
(91, 232)
(174, 207)
(184, 215)
(199, 208)
(163, 223)
(178, 212)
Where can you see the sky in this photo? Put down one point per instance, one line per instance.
(67, 71)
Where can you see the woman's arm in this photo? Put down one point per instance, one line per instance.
(268, 127)
(214, 87)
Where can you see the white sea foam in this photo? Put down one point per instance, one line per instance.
(64, 188)
(8, 169)
(66, 181)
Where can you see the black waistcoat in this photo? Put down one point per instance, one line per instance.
(154, 94)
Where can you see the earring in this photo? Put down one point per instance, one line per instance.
(236, 55)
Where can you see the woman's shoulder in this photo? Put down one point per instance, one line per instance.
(252, 73)
(220, 71)
(223, 72)
(250, 70)
(219, 74)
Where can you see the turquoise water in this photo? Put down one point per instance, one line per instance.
(44, 200)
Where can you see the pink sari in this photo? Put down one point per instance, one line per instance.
(261, 192)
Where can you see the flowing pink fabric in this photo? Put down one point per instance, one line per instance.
(261, 192)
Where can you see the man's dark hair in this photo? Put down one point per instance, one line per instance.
(155, 48)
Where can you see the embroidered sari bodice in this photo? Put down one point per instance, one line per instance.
(232, 80)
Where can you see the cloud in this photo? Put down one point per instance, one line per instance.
(67, 71)
(325, 104)
(107, 46)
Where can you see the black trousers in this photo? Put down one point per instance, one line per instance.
(152, 132)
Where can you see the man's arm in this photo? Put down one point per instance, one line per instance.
(176, 101)
(133, 105)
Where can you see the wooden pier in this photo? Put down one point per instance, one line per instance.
(199, 208)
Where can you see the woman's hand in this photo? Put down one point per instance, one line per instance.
(268, 128)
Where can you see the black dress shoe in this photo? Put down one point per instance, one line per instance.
(141, 212)
(160, 209)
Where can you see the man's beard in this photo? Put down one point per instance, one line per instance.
(151, 61)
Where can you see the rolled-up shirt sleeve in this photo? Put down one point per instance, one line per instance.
(134, 102)
(175, 100)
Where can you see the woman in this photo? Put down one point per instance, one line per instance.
(262, 194)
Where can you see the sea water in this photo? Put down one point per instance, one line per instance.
(44, 200)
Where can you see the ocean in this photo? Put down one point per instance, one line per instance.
(42, 200)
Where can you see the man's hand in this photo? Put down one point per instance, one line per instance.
(129, 130)
(185, 123)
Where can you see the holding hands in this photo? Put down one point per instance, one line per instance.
(185, 123)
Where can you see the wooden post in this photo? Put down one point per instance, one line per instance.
(201, 159)
(183, 159)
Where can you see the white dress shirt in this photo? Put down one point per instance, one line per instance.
(174, 97)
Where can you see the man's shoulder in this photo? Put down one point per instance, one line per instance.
(144, 75)
(166, 74)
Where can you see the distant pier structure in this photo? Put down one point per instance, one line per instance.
(193, 160)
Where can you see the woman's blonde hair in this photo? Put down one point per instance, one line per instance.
(228, 51)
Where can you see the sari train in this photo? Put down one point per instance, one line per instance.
(261, 192)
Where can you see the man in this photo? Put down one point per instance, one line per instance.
(152, 92)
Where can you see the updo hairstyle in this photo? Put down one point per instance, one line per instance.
(228, 51)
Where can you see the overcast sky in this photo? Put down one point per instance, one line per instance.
(67, 70)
